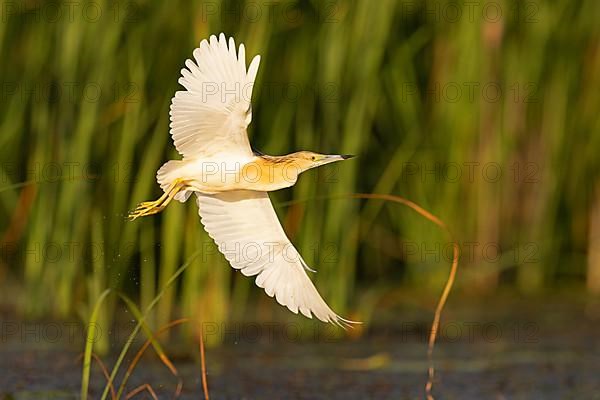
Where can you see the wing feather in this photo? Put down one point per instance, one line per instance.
(246, 229)
(211, 116)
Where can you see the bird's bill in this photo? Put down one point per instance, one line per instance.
(329, 158)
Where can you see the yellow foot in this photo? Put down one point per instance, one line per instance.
(146, 208)
(156, 206)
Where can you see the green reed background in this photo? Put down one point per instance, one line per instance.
(485, 113)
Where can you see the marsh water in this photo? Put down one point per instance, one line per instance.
(548, 349)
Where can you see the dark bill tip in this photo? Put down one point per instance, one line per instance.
(347, 156)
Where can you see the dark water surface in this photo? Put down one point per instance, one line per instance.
(547, 352)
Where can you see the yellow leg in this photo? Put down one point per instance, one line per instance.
(156, 206)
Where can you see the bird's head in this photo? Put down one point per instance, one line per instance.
(306, 160)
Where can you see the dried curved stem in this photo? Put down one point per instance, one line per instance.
(104, 372)
(139, 389)
(203, 365)
(447, 287)
(162, 357)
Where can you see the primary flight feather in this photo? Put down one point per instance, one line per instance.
(230, 181)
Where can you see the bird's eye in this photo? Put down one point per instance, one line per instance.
(313, 158)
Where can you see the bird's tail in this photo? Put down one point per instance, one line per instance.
(166, 174)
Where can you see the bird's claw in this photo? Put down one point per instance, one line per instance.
(145, 209)
(156, 206)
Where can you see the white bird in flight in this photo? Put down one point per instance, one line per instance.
(231, 181)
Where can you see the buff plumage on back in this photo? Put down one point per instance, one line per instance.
(212, 115)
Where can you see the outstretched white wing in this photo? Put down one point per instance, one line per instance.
(211, 116)
(246, 229)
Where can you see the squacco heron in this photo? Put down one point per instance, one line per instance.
(231, 181)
